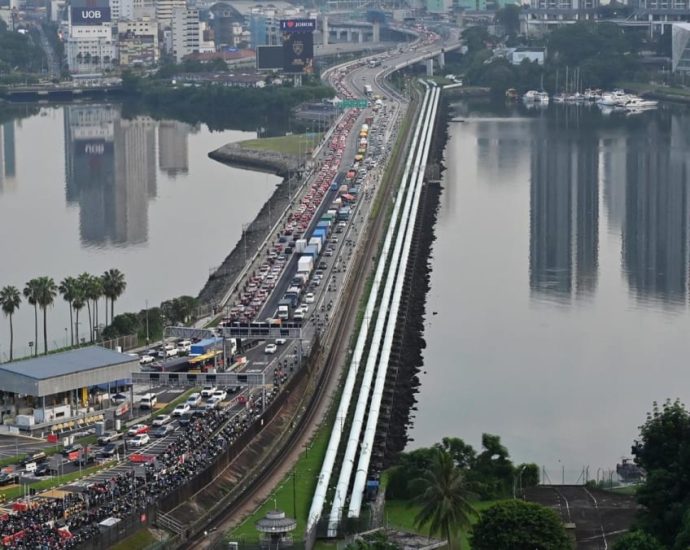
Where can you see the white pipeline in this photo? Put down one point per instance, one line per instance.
(346, 397)
(372, 420)
(375, 345)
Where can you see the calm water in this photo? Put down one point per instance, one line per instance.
(560, 282)
(82, 189)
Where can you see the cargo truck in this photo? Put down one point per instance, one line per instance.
(311, 251)
(300, 245)
(305, 264)
(344, 214)
(317, 242)
(284, 307)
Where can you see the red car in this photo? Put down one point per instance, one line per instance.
(138, 429)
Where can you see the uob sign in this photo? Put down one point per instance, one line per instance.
(90, 16)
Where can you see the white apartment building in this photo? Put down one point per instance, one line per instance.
(185, 32)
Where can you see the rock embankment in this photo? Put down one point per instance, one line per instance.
(262, 161)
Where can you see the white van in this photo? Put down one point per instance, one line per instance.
(184, 346)
(148, 401)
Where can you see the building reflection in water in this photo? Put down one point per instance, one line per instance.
(111, 171)
(564, 214)
(8, 157)
(655, 233)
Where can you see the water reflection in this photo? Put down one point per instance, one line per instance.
(111, 170)
(8, 157)
(564, 214)
(655, 252)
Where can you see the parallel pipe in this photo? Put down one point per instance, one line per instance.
(372, 420)
(346, 397)
(375, 345)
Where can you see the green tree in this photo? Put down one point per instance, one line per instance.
(445, 505)
(509, 17)
(68, 288)
(404, 478)
(114, 285)
(475, 38)
(637, 540)
(46, 292)
(179, 310)
(122, 325)
(529, 476)
(78, 303)
(463, 454)
(94, 292)
(519, 525)
(493, 471)
(31, 294)
(10, 298)
(663, 451)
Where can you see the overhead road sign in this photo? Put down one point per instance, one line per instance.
(353, 104)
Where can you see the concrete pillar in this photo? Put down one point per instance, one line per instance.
(430, 67)
(441, 60)
(349, 35)
(360, 36)
(324, 30)
(376, 38)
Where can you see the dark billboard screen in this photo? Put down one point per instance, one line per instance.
(90, 16)
(269, 57)
(298, 52)
(298, 25)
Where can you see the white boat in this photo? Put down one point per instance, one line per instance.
(638, 103)
(617, 97)
(534, 96)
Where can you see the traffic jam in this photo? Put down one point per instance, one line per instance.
(164, 450)
(262, 281)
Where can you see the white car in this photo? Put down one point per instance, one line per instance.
(207, 391)
(304, 308)
(299, 314)
(220, 394)
(139, 440)
(181, 409)
(309, 298)
(146, 359)
(161, 420)
(270, 349)
(212, 403)
(194, 399)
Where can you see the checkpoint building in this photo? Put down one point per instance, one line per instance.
(64, 390)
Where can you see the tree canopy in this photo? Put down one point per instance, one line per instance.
(519, 525)
(663, 451)
(637, 540)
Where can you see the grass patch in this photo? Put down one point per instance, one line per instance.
(624, 490)
(400, 514)
(303, 484)
(16, 492)
(296, 144)
(141, 539)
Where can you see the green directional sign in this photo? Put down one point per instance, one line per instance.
(353, 104)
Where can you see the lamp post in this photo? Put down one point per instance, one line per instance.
(147, 322)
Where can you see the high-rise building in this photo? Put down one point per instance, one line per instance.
(173, 152)
(89, 43)
(164, 11)
(185, 32)
(680, 47)
(121, 9)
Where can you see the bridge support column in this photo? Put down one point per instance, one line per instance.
(360, 37)
(324, 30)
(430, 67)
(376, 38)
(349, 35)
(441, 60)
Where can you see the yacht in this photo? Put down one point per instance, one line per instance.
(639, 103)
(533, 96)
(617, 97)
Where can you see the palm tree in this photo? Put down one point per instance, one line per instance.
(114, 285)
(31, 295)
(47, 291)
(445, 501)
(78, 305)
(84, 285)
(68, 288)
(94, 293)
(10, 298)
